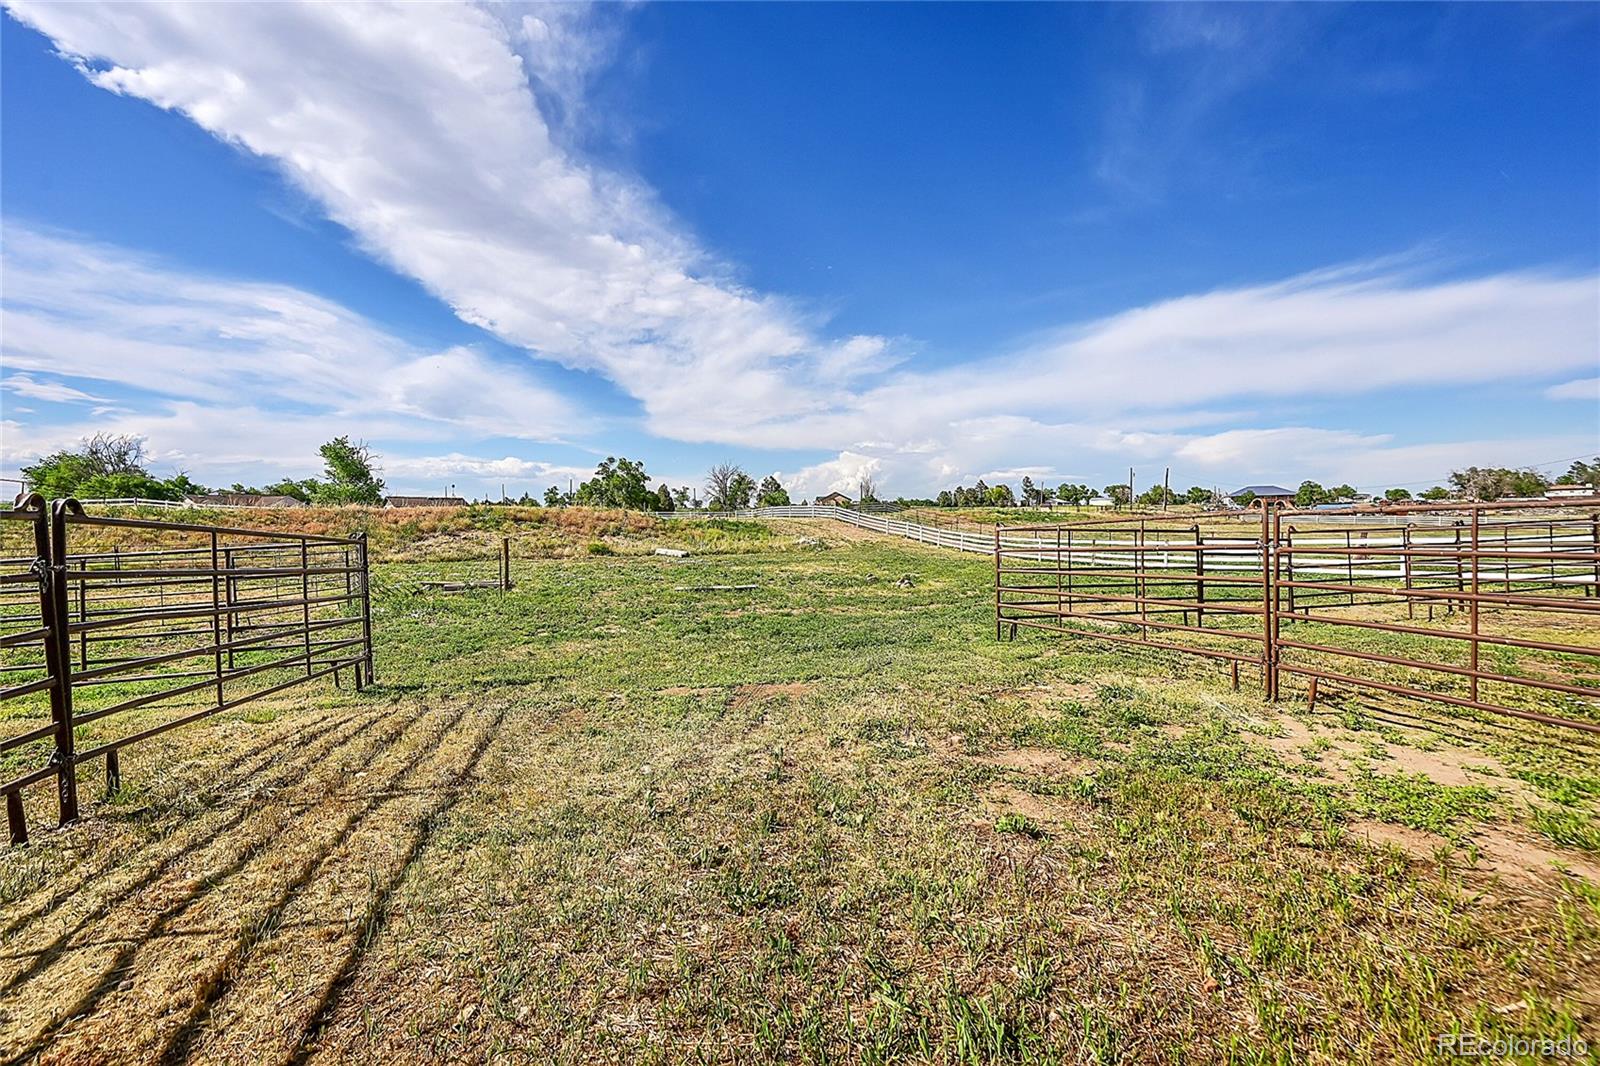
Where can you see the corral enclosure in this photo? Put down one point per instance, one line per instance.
(787, 797)
(1493, 609)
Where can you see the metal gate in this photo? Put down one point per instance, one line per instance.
(1494, 607)
(116, 630)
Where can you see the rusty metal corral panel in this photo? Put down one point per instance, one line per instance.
(1486, 606)
(146, 626)
(1149, 582)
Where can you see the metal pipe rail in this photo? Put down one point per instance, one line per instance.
(1520, 596)
(214, 618)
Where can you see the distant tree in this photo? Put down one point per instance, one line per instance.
(351, 471)
(1244, 499)
(867, 489)
(1493, 483)
(1582, 473)
(771, 494)
(1310, 494)
(680, 497)
(1028, 491)
(553, 497)
(1433, 495)
(720, 480)
(1002, 496)
(1342, 494)
(1117, 494)
(664, 500)
(105, 466)
(619, 483)
(1196, 494)
(1397, 495)
(945, 499)
(1156, 494)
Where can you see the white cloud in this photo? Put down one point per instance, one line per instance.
(97, 313)
(433, 467)
(49, 391)
(420, 129)
(1580, 389)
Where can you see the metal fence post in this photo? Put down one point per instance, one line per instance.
(1269, 592)
(366, 608)
(61, 668)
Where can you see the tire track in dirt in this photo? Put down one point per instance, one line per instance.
(126, 882)
(171, 971)
(36, 905)
(249, 1020)
(63, 992)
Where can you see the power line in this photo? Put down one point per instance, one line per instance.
(1446, 477)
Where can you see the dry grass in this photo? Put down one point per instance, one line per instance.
(599, 819)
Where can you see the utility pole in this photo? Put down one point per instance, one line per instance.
(1130, 488)
(1166, 487)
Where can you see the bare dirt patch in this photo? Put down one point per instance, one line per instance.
(1510, 852)
(1052, 812)
(1037, 761)
(744, 695)
(1338, 752)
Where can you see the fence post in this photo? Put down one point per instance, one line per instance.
(65, 759)
(997, 581)
(305, 598)
(1200, 580)
(216, 614)
(1594, 537)
(1405, 567)
(366, 606)
(1269, 592)
(505, 564)
(1476, 566)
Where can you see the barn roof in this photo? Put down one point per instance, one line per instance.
(1263, 490)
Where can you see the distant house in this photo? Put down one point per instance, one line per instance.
(833, 499)
(1569, 492)
(242, 499)
(1265, 496)
(424, 501)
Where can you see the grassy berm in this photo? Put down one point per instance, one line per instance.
(615, 815)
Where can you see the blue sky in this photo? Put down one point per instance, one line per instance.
(928, 243)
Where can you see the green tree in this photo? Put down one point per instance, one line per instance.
(1310, 494)
(351, 471)
(1002, 496)
(105, 466)
(771, 494)
(1435, 494)
(553, 497)
(1496, 482)
(1155, 494)
(1582, 473)
(1244, 499)
(617, 483)
(1397, 495)
(664, 500)
(1117, 494)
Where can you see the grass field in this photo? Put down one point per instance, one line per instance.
(611, 815)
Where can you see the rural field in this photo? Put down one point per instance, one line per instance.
(787, 798)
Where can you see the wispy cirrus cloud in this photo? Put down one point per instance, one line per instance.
(1578, 389)
(90, 312)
